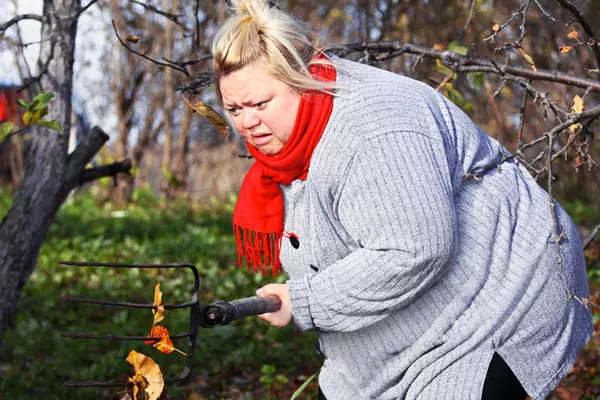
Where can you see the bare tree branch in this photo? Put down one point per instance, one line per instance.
(11, 22)
(183, 70)
(591, 237)
(471, 8)
(172, 17)
(586, 27)
(84, 9)
(463, 63)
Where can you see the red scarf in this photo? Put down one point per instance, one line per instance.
(259, 212)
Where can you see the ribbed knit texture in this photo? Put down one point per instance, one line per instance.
(422, 274)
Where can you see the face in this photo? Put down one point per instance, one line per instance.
(262, 108)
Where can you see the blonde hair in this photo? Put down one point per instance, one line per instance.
(258, 30)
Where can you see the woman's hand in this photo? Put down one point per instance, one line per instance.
(282, 317)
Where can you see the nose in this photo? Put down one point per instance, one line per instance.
(249, 119)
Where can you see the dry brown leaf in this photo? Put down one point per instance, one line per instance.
(573, 34)
(207, 112)
(565, 49)
(159, 311)
(133, 39)
(528, 58)
(165, 344)
(147, 376)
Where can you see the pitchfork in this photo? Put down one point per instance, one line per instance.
(201, 315)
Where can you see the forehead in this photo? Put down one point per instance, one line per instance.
(247, 84)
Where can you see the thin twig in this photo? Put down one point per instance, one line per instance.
(471, 8)
(586, 27)
(83, 9)
(172, 17)
(465, 63)
(12, 21)
(522, 121)
(144, 56)
(591, 237)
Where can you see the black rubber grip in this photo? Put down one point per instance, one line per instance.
(223, 312)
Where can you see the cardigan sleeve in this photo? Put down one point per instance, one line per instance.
(397, 204)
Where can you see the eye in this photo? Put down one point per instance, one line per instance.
(261, 105)
(234, 111)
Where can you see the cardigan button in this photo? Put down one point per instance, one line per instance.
(294, 241)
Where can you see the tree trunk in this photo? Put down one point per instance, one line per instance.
(180, 167)
(50, 174)
(168, 180)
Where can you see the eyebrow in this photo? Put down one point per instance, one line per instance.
(246, 103)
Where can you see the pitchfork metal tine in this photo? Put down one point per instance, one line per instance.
(193, 305)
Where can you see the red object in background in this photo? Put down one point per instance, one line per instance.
(8, 104)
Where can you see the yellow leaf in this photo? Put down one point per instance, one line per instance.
(573, 34)
(207, 112)
(27, 116)
(147, 375)
(577, 104)
(439, 47)
(159, 312)
(528, 58)
(495, 27)
(565, 49)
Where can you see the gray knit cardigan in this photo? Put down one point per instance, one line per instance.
(412, 275)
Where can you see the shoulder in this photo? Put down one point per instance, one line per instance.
(370, 101)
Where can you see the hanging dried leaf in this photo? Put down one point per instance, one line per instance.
(495, 27)
(573, 34)
(133, 39)
(165, 344)
(565, 49)
(159, 311)
(577, 104)
(209, 113)
(147, 377)
(528, 58)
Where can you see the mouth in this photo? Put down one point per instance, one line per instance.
(261, 139)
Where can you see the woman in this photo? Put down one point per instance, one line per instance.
(419, 282)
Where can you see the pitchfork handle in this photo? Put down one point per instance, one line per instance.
(223, 312)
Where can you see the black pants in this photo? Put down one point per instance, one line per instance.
(500, 383)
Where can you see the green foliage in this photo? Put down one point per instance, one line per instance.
(458, 48)
(36, 360)
(5, 129)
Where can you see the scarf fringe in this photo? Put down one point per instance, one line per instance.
(260, 250)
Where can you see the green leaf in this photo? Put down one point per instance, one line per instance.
(42, 100)
(304, 385)
(39, 114)
(444, 70)
(5, 130)
(22, 103)
(27, 117)
(475, 80)
(458, 48)
(51, 124)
